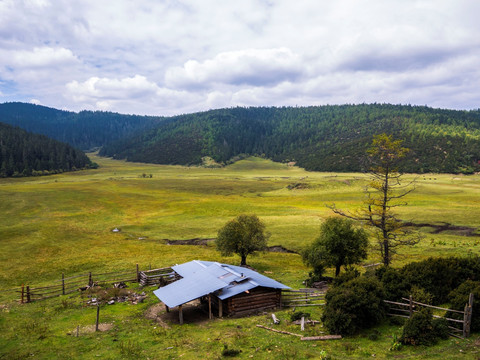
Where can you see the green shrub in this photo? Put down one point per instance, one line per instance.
(421, 329)
(419, 294)
(297, 315)
(394, 283)
(354, 305)
(226, 352)
(439, 276)
(350, 273)
(459, 297)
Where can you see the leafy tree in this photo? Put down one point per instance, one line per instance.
(243, 236)
(384, 191)
(339, 244)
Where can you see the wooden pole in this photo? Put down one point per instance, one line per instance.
(78, 328)
(468, 316)
(23, 285)
(90, 282)
(210, 315)
(138, 274)
(98, 317)
(410, 307)
(28, 294)
(167, 309)
(220, 308)
(63, 284)
(180, 314)
(302, 324)
(470, 311)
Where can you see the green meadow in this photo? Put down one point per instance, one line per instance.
(63, 224)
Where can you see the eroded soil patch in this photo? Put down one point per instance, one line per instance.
(444, 226)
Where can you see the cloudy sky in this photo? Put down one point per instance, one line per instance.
(166, 57)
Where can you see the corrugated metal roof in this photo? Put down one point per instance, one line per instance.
(201, 278)
(189, 288)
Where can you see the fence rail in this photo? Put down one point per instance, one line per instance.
(303, 297)
(410, 306)
(71, 284)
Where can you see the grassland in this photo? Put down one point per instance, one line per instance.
(62, 224)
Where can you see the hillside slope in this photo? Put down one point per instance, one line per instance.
(322, 138)
(25, 154)
(84, 130)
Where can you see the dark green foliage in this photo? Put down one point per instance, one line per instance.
(459, 297)
(421, 329)
(350, 273)
(419, 294)
(297, 315)
(321, 138)
(431, 279)
(26, 154)
(243, 235)
(354, 305)
(394, 283)
(374, 335)
(85, 130)
(339, 244)
(439, 276)
(226, 352)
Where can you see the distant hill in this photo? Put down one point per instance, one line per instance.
(321, 138)
(25, 154)
(85, 130)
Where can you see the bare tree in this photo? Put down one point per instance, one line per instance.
(385, 192)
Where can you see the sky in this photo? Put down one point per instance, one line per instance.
(169, 57)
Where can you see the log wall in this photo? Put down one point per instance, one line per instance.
(255, 300)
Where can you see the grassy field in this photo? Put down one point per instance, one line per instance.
(63, 224)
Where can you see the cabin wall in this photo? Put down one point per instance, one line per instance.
(255, 300)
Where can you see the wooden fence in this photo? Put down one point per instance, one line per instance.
(161, 277)
(68, 285)
(303, 297)
(409, 306)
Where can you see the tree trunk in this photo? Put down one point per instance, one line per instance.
(337, 270)
(244, 260)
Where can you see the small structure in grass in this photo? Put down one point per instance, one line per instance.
(228, 289)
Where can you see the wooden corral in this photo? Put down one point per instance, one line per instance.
(161, 277)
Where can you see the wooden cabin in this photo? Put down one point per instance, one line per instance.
(228, 289)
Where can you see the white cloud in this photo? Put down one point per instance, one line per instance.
(194, 55)
(254, 67)
(37, 57)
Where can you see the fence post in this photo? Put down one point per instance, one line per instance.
(23, 285)
(90, 282)
(465, 321)
(28, 294)
(63, 284)
(468, 316)
(138, 274)
(98, 317)
(410, 308)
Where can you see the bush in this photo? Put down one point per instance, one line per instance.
(421, 329)
(459, 297)
(419, 294)
(354, 305)
(297, 315)
(350, 273)
(394, 283)
(439, 276)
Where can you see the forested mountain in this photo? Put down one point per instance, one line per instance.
(322, 138)
(25, 154)
(84, 130)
